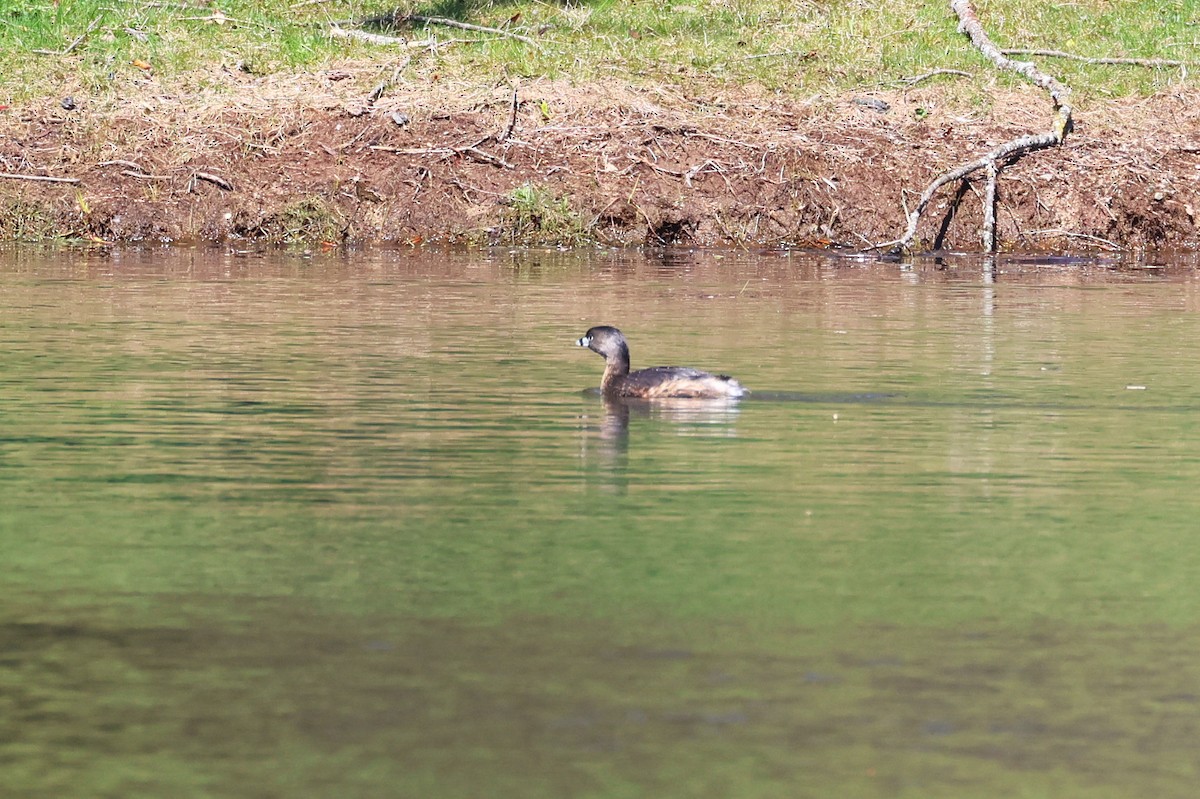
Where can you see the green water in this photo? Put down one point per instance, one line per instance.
(350, 526)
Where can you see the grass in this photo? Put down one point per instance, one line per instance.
(309, 219)
(796, 49)
(537, 216)
(24, 221)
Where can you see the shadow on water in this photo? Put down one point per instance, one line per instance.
(538, 707)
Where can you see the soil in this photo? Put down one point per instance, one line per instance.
(316, 160)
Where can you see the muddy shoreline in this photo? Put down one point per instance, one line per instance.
(453, 164)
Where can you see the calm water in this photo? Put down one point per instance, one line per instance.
(352, 526)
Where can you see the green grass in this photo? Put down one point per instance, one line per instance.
(535, 215)
(796, 48)
(309, 219)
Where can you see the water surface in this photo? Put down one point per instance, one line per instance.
(351, 525)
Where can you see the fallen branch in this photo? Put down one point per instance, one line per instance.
(338, 32)
(1136, 62)
(933, 73)
(121, 162)
(805, 55)
(512, 119)
(39, 178)
(467, 26)
(989, 207)
(969, 24)
(216, 180)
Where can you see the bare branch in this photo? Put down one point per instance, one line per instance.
(512, 119)
(121, 162)
(1136, 62)
(39, 178)
(467, 26)
(339, 32)
(216, 180)
(970, 25)
(989, 208)
(933, 73)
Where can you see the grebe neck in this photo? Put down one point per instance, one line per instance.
(616, 366)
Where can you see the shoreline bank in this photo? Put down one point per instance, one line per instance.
(566, 164)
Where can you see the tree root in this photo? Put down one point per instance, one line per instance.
(1005, 153)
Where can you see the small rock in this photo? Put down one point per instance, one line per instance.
(400, 119)
(68, 103)
(873, 104)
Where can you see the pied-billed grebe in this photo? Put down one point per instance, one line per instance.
(656, 382)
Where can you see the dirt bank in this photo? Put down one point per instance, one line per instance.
(316, 161)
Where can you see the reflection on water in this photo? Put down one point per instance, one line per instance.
(606, 429)
(298, 524)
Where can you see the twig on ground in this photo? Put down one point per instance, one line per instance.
(384, 148)
(1135, 62)
(216, 180)
(969, 24)
(704, 168)
(469, 149)
(338, 32)
(121, 162)
(660, 169)
(486, 157)
(933, 73)
(217, 17)
(77, 41)
(467, 26)
(38, 178)
(804, 55)
(133, 169)
(466, 188)
(512, 119)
